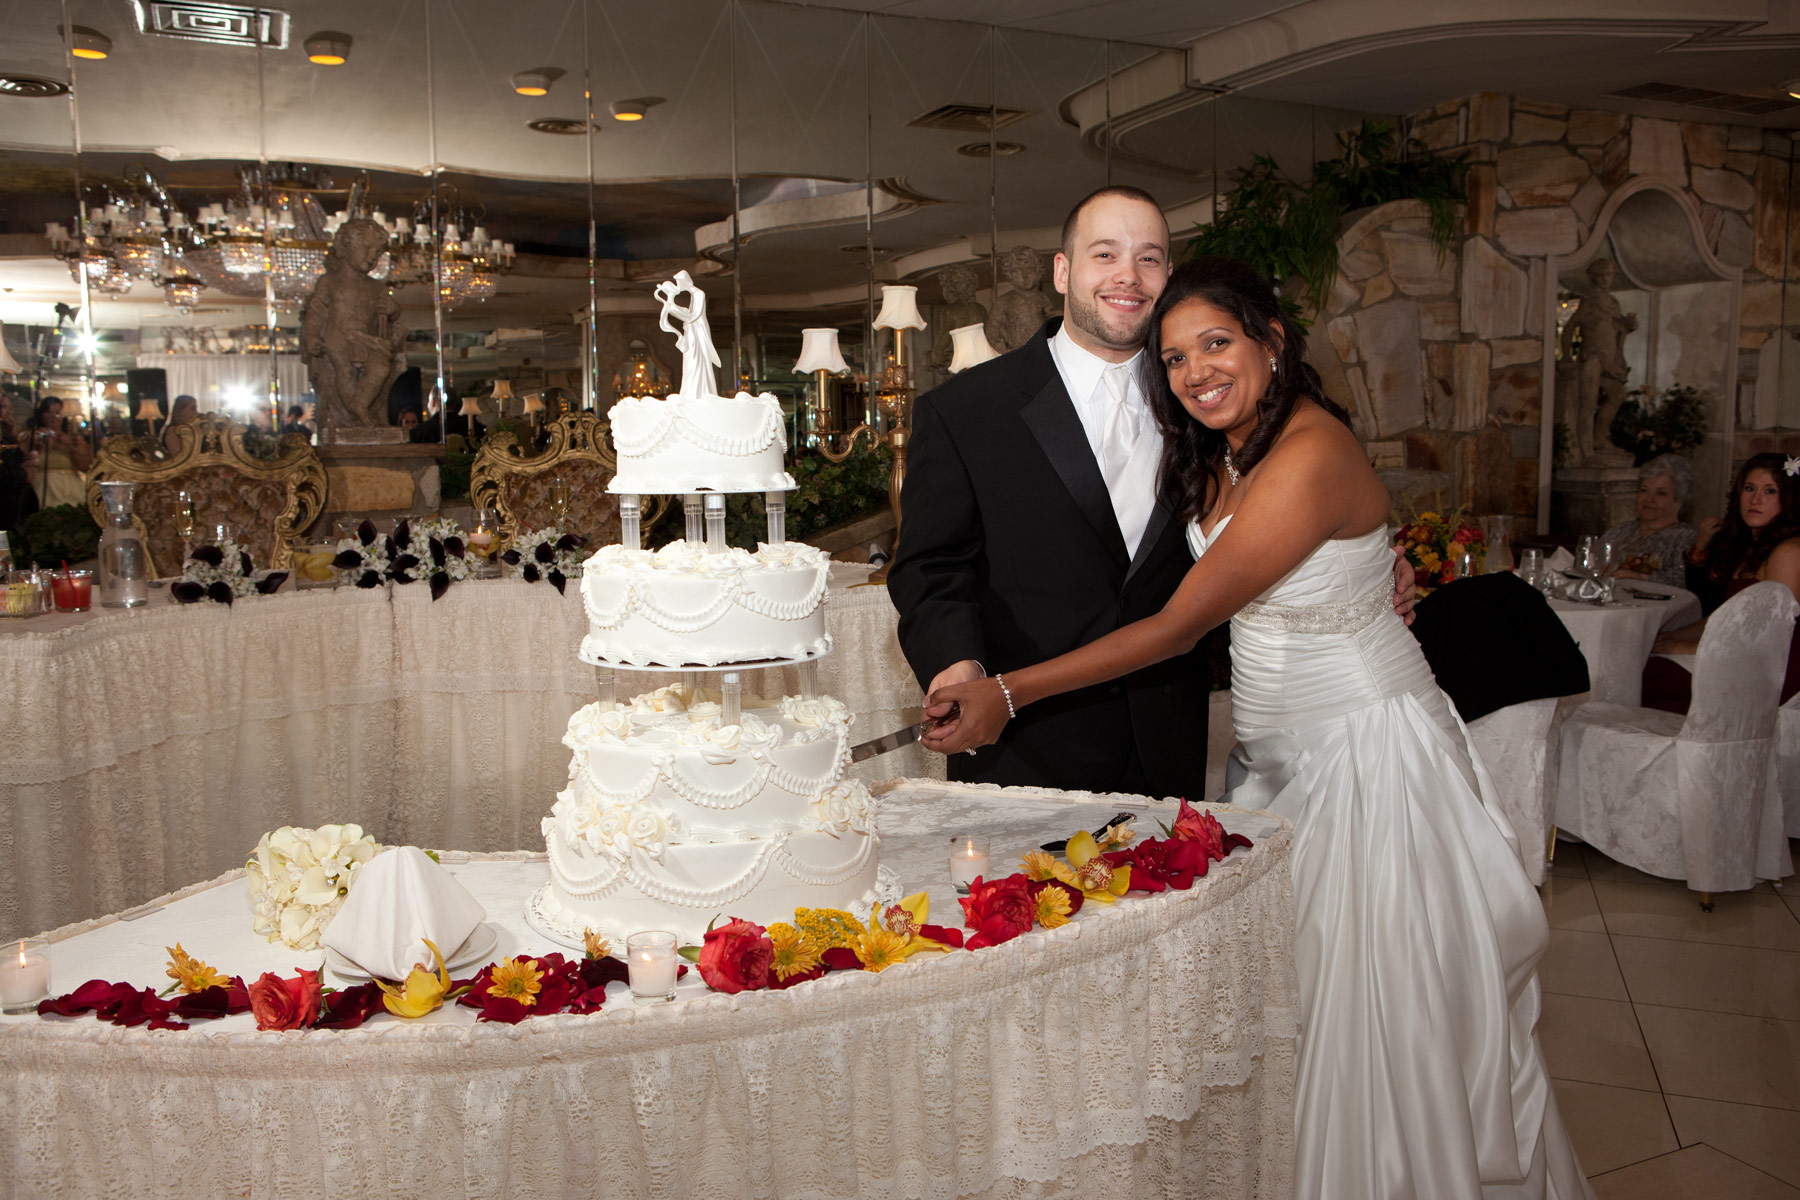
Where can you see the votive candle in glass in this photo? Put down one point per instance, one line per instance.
(968, 861)
(650, 960)
(24, 975)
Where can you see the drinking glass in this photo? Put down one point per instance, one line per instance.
(73, 591)
(1588, 555)
(559, 499)
(184, 514)
(1531, 567)
(1462, 564)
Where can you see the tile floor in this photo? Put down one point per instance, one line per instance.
(1673, 1035)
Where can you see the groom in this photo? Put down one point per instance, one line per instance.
(1034, 525)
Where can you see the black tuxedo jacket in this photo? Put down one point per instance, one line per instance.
(1009, 554)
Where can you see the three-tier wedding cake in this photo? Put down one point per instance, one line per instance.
(690, 803)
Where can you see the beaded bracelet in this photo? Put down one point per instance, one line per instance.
(1011, 712)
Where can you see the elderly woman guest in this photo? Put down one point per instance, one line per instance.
(1655, 546)
(1759, 539)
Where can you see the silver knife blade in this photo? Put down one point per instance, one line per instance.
(890, 741)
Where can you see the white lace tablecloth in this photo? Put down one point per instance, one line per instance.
(1617, 638)
(1145, 1049)
(146, 749)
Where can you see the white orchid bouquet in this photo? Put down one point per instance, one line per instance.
(221, 572)
(300, 877)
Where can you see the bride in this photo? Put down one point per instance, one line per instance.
(1417, 933)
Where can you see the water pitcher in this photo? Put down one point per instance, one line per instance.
(124, 563)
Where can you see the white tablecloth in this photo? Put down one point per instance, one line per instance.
(1145, 1049)
(1616, 639)
(145, 749)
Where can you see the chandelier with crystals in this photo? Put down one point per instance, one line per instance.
(273, 251)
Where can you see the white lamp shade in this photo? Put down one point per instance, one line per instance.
(9, 365)
(819, 352)
(502, 389)
(471, 407)
(148, 408)
(899, 307)
(968, 346)
(534, 403)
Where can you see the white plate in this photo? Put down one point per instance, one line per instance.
(475, 947)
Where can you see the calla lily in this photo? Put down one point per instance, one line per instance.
(1094, 876)
(422, 992)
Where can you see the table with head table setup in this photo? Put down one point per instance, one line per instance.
(1146, 1047)
(148, 748)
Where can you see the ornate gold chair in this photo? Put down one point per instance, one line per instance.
(517, 485)
(272, 501)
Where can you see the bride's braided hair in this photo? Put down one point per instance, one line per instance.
(1192, 453)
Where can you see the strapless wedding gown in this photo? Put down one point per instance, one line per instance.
(1417, 934)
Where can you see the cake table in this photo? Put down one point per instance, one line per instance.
(1144, 1049)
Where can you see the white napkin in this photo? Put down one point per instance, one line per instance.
(1560, 560)
(401, 897)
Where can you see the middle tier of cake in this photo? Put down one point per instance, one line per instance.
(683, 606)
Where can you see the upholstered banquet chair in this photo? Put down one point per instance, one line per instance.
(1504, 659)
(1692, 798)
(271, 500)
(1787, 753)
(519, 485)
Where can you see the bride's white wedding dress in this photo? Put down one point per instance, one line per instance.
(1417, 933)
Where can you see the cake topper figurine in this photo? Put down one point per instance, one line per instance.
(694, 339)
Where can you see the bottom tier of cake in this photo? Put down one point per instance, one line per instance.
(759, 879)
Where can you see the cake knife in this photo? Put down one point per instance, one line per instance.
(891, 741)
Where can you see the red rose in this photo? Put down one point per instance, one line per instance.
(1197, 825)
(285, 1003)
(735, 957)
(998, 912)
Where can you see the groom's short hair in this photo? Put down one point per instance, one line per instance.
(1111, 189)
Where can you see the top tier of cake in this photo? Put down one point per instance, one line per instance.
(699, 444)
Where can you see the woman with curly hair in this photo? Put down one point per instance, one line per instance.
(1759, 539)
(1417, 934)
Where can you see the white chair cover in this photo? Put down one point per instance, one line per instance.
(1787, 755)
(1693, 799)
(1520, 744)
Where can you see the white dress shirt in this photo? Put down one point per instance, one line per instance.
(1134, 493)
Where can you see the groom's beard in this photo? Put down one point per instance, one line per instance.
(1114, 330)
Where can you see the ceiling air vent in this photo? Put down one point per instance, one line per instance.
(31, 87)
(562, 126)
(969, 118)
(983, 149)
(1706, 98)
(224, 24)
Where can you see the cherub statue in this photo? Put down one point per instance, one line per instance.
(350, 332)
(1595, 377)
(694, 339)
(1021, 312)
(959, 283)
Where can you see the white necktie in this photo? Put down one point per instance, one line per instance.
(1120, 434)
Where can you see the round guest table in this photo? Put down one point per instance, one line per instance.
(1144, 1049)
(1616, 638)
(145, 749)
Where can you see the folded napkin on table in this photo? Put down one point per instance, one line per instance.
(1560, 560)
(402, 897)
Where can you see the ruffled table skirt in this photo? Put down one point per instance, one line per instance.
(147, 749)
(1146, 1049)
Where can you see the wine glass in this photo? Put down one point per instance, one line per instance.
(184, 517)
(559, 499)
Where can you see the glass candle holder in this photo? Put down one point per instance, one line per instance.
(73, 591)
(650, 960)
(968, 861)
(24, 975)
(484, 539)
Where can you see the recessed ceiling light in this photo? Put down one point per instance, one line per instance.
(628, 110)
(32, 86)
(533, 83)
(328, 48)
(88, 43)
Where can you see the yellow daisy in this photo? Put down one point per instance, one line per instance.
(595, 945)
(879, 949)
(1053, 907)
(794, 954)
(516, 980)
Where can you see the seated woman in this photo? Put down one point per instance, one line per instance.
(1759, 539)
(63, 456)
(1654, 547)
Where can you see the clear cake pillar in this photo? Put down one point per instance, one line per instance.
(731, 698)
(775, 503)
(715, 523)
(630, 531)
(695, 531)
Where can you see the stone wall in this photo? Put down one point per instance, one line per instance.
(1440, 355)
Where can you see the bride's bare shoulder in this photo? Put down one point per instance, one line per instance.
(1314, 434)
